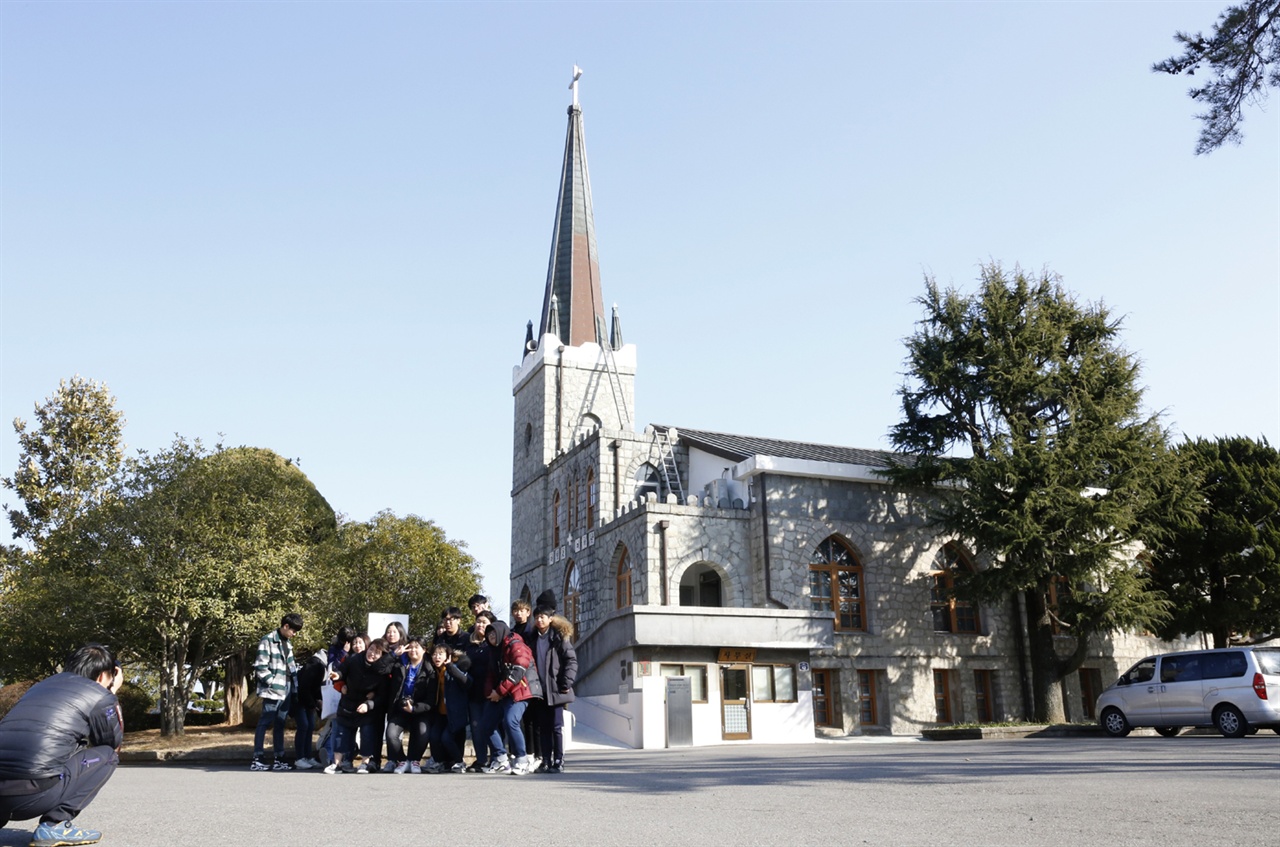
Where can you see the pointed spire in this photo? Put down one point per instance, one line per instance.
(529, 344)
(615, 330)
(573, 273)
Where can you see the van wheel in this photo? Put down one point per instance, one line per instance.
(1168, 731)
(1230, 722)
(1114, 722)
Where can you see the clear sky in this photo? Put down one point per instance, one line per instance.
(320, 228)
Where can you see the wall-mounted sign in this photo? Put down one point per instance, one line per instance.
(576, 545)
(736, 655)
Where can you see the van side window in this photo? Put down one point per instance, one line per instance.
(1142, 672)
(1183, 668)
(1223, 665)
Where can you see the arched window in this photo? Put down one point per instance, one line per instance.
(526, 595)
(951, 614)
(647, 480)
(592, 494)
(624, 580)
(573, 503)
(572, 596)
(555, 519)
(835, 585)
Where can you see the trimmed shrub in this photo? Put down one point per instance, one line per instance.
(135, 702)
(12, 693)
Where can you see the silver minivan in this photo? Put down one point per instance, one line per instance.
(1236, 690)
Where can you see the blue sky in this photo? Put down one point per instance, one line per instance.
(320, 228)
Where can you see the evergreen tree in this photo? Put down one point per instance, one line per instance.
(1022, 415)
(1243, 56)
(1221, 567)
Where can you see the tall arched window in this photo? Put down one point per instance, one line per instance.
(555, 519)
(592, 494)
(623, 579)
(575, 505)
(835, 585)
(572, 596)
(951, 614)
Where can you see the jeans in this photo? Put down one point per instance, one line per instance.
(274, 714)
(512, 712)
(343, 738)
(303, 739)
(485, 737)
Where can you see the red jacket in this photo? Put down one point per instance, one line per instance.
(515, 654)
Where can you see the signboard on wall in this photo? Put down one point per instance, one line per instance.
(378, 622)
(736, 655)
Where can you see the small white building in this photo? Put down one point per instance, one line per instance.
(727, 588)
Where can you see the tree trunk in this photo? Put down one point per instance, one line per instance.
(234, 687)
(1046, 667)
(174, 690)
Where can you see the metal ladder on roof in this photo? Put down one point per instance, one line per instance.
(611, 369)
(668, 467)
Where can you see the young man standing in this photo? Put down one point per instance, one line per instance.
(276, 674)
(58, 747)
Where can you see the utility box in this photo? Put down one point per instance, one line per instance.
(679, 711)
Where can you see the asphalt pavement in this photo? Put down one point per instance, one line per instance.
(1192, 791)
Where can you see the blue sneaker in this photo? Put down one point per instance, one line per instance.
(63, 834)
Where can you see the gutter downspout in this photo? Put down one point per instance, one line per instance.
(662, 560)
(764, 521)
(559, 393)
(617, 478)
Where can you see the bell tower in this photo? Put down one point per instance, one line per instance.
(576, 376)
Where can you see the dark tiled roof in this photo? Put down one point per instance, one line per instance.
(739, 448)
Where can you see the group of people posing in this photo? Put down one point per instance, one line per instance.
(507, 684)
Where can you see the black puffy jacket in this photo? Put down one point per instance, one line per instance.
(57, 718)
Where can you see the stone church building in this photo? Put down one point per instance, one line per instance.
(732, 588)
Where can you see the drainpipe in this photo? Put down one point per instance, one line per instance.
(559, 392)
(617, 478)
(662, 559)
(764, 520)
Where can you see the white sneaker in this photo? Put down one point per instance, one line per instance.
(414, 767)
(521, 767)
(331, 768)
(399, 767)
(305, 764)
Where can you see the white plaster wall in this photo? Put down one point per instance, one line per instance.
(704, 467)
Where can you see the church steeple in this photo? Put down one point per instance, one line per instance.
(572, 306)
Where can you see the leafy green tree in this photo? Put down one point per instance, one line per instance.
(1022, 416)
(1221, 567)
(1243, 56)
(202, 552)
(68, 461)
(393, 564)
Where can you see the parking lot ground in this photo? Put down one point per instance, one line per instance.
(1191, 791)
